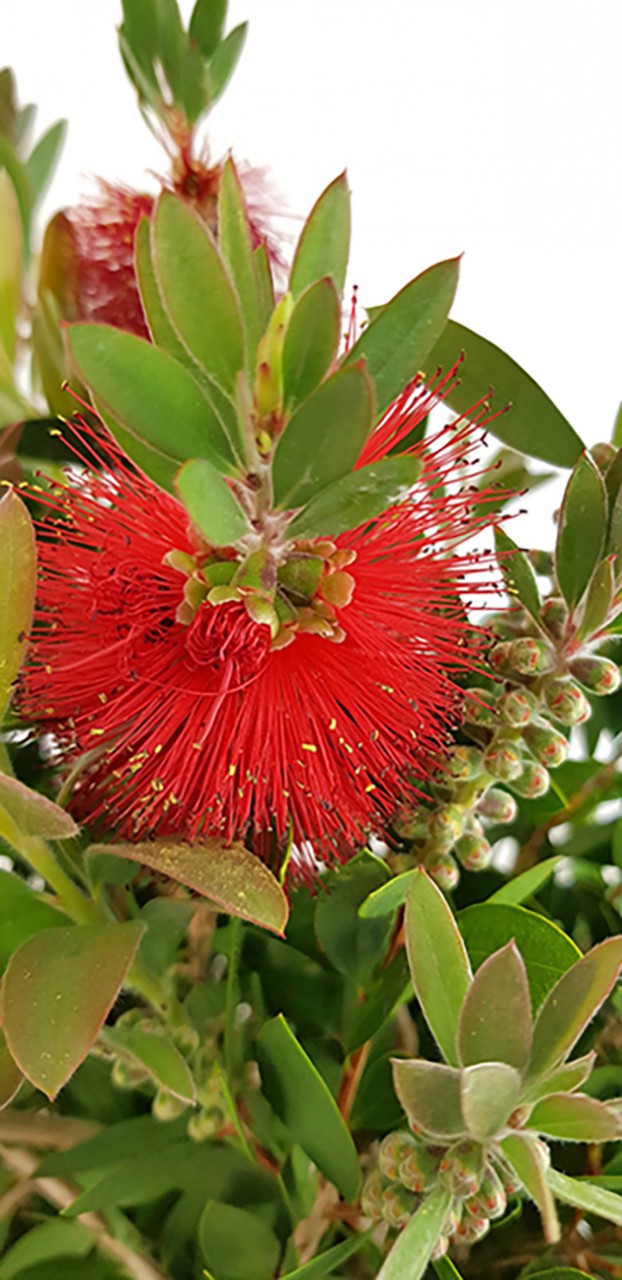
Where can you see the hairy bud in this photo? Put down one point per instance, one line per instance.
(498, 806)
(566, 702)
(600, 675)
(503, 761)
(530, 657)
(547, 745)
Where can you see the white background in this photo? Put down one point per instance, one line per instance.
(480, 127)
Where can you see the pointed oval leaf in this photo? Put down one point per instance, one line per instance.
(598, 599)
(265, 284)
(411, 1253)
(323, 440)
(23, 912)
(206, 24)
(234, 239)
(34, 814)
(583, 1195)
(11, 264)
(210, 502)
(57, 991)
(225, 60)
(354, 948)
(572, 1003)
(324, 1264)
(18, 567)
(358, 497)
(430, 1095)
(581, 531)
(10, 1074)
(495, 1022)
(237, 1244)
(158, 1054)
(230, 876)
(311, 341)
(161, 469)
(44, 157)
(152, 396)
(546, 950)
(528, 1162)
(397, 342)
(526, 884)
(438, 961)
(575, 1118)
(324, 245)
(160, 326)
(490, 1092)
(303, 1102)
(197, 291)
(50, 1241)
(518, 574)
(563, 1080)
(385, 900)
(534, 426)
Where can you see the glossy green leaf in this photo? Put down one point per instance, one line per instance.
(56, 993)
(563, 1079)
(44, 158)
(495, 1022)
(234, 239)
(23, 912)
(390, 896)
(210, 502)
(358, 497)
(560, 1273)
(265, 284)
(546, 950)
(303, 1102)
(152, 396)
(197, 291)
(225, 60)
(582, 1195)
(206, 24)
(324, 438)
(32, 813)
(11, 259)
(572, 1003)
(438, 961)
(10, 1075)
(581, 531)
(575, 1118)
(157, 1053)
(110, 1146)
(385, 993)
(445, 1269)
(534, 425)
(529, 1163)
(397, 342)
(355, 947)
(489, 1092)
(47, 1240)
(598, 599)
(324, 1264)
(430, 1095)
(411, 1253)
(17, 173)
(518, 574)
(161, 469)
(18, 567)
(236, 1244)
(139, 1178)
(171, 44)
(324, 245)
(526, 884)
(311, 341)
(237, 881)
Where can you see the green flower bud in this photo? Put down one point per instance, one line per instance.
(603, 454)
(554, 615)
(516, 707)
(566, 702)
(498, 806)
(418, 1170)
(371, 1196)
(479, 708)
(471, 1230)
(509, 1181)
(398, 1205)
(465, 763)
(440, 1249)
(462, 1168)
(443, 869)
(534, 781)
(204, 1124)
(410, 824)
(499, 658)
(491, 1199)
(600, 675)
(452, 1221)
(394, 1149)
(530, 657)
(166, 1107)
(474, 852)
(187, 1039)
(446, 824)
(503, 761)
(126, 1075)
(546, 744)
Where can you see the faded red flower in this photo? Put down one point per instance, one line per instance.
(202, 727)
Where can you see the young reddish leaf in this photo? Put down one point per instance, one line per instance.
(356, 498)
(411, 1253)
(583, 1195)
(495, 1022)
(158, 1054)
(531, 1167)
(582, 529)
(18, 564)
(10, 1075)
(490, 1092)
(518, 574)
(32, 813)
(311, 341)
(229, 875)
(324, 245)
(56, 994)
(430, 1095)
(564, 1080)
(575, 1118)
(438, 961)
(572, 1003)
(324, 438)
(210, 502)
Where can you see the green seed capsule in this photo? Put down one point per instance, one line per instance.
(498, 806)
(547, 745)
(566, 702)
(600, 675)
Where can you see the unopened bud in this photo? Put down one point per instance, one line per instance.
(418, 1170)
(371, 1196)
(452, 1221)
(510, 1182)
(166, 1107)
(498, 806)
(504, 761)
(516, 707)
(443, 869)
(440, 1249)
(187, 1039)
(533, 782)
(603, 454)
(566, 702)
(491, 1199)
(446, 824)
(126, 1075)
(541, 561)
(410, 824)
(461, 1168)
(398, 1205)
(204, 1124)
(554, 615)
(474, 852)
(600, 675)
(393, 1151)
(471, 1230)
(464, 763)
(530, 657)
(499, 658)
(479, 708)
(547, 745)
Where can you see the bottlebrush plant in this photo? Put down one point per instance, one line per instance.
(310, 891)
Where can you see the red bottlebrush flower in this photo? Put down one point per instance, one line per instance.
(202, 727)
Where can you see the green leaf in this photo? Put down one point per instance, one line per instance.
(414, 1246)
(197, 291)
(23, 912)
(225, 60)
(529, 1163)
(178, 1164)
(559, 1273)
(385, 993)
(17, 173)
(171, 44)
(563, 1080)
(598, 599)
(575, 1118)
(10, 1075)
(303, 1102)
(167, 920)
(56, 993)
(581, 531)
(207, 23)
(490, 1092)
(234, 239)
(438, 962)
(534, 426)
(211, 503)
(311, 341)
(44, 157)
(355, 947)
(157, 1053)
(430, 1095)
(445, 1269)
(11, 260)
(390, 896)
(324, 438)
(110, 1146)
(527, 884)
(495, 1022)
(265, 284)
(358, 497)
(17, 588)
(32, 813)
(518, 574)
(236, 880)
(581, 1195)
(572, 1003)
(546, 951)
(324, 245)
(397, 342)
(156, 465)
(324, 1264)
(55, 1239)
(237, 1244)
(149, 393)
